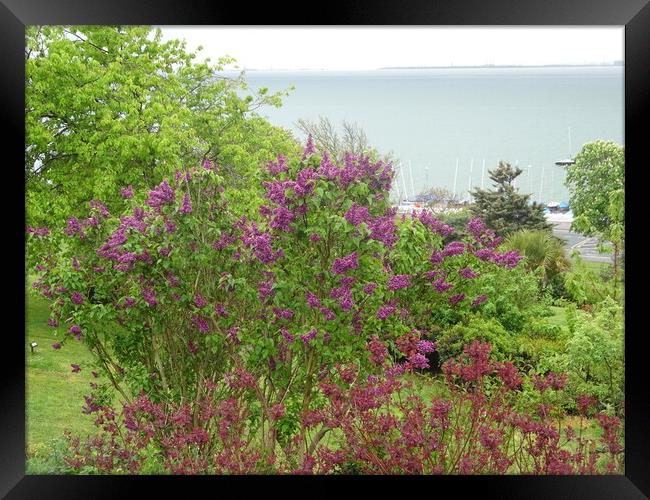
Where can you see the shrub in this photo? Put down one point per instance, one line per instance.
(179, 292)
(594, 355)
(452, 341)
(380, 426)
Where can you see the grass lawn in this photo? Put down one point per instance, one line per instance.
(558, 317)
(54, 395)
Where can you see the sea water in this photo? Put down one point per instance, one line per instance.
(447, 127)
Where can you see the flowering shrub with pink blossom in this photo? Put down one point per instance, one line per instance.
(190, 306)
(379, 426)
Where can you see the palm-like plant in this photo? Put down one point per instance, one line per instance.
(542, 251)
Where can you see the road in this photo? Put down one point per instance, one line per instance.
(585, 245)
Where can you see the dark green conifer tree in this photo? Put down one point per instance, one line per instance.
(504, 209)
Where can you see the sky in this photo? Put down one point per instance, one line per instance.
(367, 48)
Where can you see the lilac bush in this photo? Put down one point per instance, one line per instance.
(178, 298)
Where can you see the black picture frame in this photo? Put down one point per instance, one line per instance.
(633, 14)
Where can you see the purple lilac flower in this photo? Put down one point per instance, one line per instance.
(468, 273)
(385, 311)
(201, 323)
(283, 313)
(454, 248)
(484, 254)
(161, 195)
(314, 237)
(476, 227)
(38, 231)
(455, 299)
(419, 360)
(370, 287)
(305, 180)
(186, 207)
(191, 346)
(52, 322)
(180, 176)
(349, 173)
(436, 257)
(328, 313)
(357, 214)
(74, 227)
(327, 169)
(399, 281)
(265, 288)
(383, 228)
(309, 336)
(127, 192)
(56, 345)
(479, 300)
(279, 167)
(169, 225)
(220, 310)
(129, 302)
(508, 259)
(441, 286)
(164, 251)
(287, 336)
(77, 298)
(344, 264)
(149, 296)
(260, 243)
(276, 191)
(100, 207)
(199, 301)
(428, 220)
(232, 333)
(282, 219)
(223, 241)
(309, 147)
(312, 300)
(75, 263)
(347, 281)
(425, 346)
(173, 280)
(75, 329)
(75, 368)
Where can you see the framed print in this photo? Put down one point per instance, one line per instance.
(385, 242)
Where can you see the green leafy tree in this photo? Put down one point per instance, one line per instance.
(112, 106)
(504, 209)
(597, 184)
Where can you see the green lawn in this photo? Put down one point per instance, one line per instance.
(54, 395)
(558, 317)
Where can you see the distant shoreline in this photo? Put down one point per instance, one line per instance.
(617, 64)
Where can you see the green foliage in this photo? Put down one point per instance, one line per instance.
(504, 209)
(49, 459)
(596, 182)
(594, 355)
(515, 297)
(457, 219)
(583, 284)
(542, 251)
(452, 340)
(111, 106)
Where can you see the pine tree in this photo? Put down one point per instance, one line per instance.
(504, 209)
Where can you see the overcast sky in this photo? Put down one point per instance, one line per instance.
(350, 48)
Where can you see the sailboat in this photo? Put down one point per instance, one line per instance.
(567, 161)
